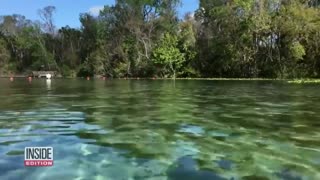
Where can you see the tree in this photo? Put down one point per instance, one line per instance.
(167, 54)
(4, 57)
(187, 35)
(46, 15)
(68, 51)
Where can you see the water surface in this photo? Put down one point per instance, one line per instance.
(157, 129)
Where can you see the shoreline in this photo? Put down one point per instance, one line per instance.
(144, 78)
(289, 81)
(293, 80)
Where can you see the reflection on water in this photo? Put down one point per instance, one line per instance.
(48, 81)
(160, 130)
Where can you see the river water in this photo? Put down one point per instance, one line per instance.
(161, 129)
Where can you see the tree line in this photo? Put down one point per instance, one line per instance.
(146, 38)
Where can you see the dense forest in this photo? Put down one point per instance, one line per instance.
(146, 38)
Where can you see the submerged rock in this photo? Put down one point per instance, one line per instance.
(150, 169)
(288, 175)
(186, 168)
(225, 164)
(185, 148)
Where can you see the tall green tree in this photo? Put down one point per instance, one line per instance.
(168, 55)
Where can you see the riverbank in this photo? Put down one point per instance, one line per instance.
(155, 78)
(304, 81)
(14, 76)
(291, 81)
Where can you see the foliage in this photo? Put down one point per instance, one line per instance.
(297, 51)
(4, 57)
(229, 39)
(166, 53)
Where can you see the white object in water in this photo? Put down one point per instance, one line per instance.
(48, 76)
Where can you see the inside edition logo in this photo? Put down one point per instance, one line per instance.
(38, 156)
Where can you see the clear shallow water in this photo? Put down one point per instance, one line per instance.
(158, 130)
